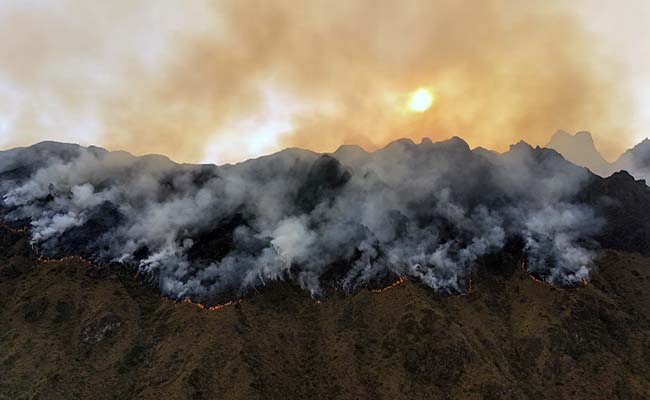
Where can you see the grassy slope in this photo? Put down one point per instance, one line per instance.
(72, 330)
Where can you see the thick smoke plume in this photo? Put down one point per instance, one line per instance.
(153, 76)
(343, 221)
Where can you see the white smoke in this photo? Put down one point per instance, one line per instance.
(552, 236)
(50, 225)
(427, 211)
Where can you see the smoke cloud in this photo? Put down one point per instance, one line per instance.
(343, 221)
(232, 79)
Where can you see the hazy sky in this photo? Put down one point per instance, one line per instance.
(221, 81)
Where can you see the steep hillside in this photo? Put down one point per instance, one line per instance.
(73, 330)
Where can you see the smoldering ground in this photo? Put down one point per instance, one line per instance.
(341, 221)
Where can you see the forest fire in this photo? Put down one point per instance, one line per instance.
(42, 259)
(202, 306)
(470, 289)
(583, 282)
(398, 282)
(531, 276)
(46, 260)
(22, 229)
(221, 306)
(163, 231)
(76, 258)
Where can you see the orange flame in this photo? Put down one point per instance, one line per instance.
(523, 267)
(583, 281)
(398, 282)
(14, 230)
(202, 306)
(46, 260)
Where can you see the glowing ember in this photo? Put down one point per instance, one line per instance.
(204, 307)
(392, 285)
(46, 260)
(523, 267)
(14, 230)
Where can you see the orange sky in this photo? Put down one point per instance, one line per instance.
(221, 81)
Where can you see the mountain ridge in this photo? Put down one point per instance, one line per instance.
(421, 271)
(450, 189)
(580, 149)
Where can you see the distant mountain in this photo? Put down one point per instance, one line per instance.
(636, 161)
(580, 150)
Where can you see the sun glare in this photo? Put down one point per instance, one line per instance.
(421, 100)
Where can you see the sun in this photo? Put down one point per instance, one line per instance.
(420, 100)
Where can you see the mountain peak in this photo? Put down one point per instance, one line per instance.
(400, 143)
(521, 146)
(636, 160)
(579, 149)
(642, 144)
(351, 155)
(350, 148)
(584, 137)
(622, 175)
(454, 143)
(560, 134)
(457, 141)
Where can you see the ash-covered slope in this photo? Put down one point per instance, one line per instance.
(336, 222)
(73, 330)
